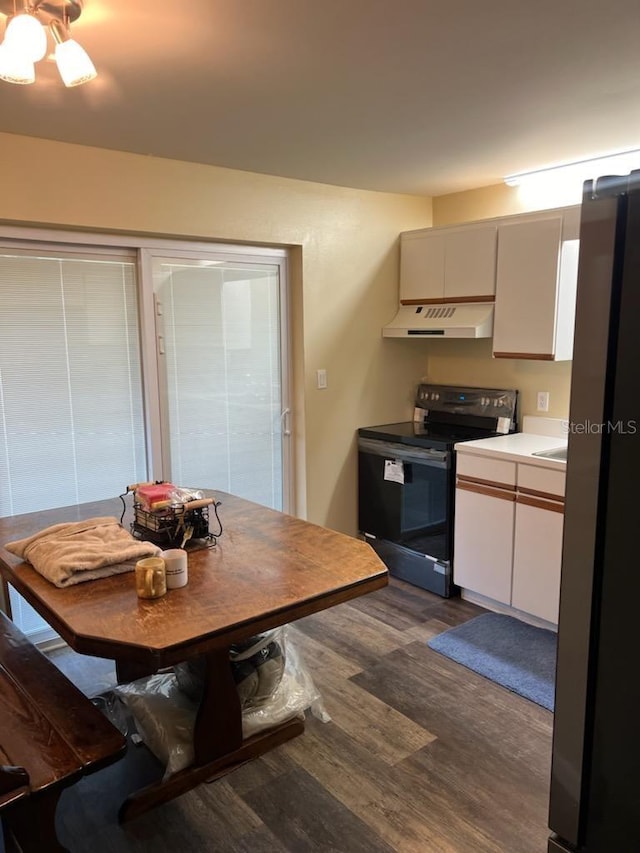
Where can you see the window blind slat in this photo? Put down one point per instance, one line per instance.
(223, 393)
(70, 381)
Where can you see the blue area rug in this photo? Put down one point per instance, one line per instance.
(518, 656)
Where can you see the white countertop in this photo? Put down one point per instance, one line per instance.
(517, 447)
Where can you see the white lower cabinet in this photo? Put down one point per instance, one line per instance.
(508, 533)
(483, 553)
(537, 557)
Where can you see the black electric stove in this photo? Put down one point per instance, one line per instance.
(406, 478)
(420, 434)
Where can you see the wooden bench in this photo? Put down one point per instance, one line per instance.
(50, 735)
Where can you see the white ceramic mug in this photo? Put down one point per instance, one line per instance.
(176, 568)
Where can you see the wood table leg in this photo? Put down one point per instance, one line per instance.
(32, 822)
(5, 601)
(127, 671)
(218, 728)
(185, 780)
(217, 738)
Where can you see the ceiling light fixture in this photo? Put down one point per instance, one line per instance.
(25, 41)
(14, 67)
(26, 35)
(73, 61)
(562, 184)
(583, 170)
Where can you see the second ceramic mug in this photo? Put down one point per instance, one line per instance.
(176, 568)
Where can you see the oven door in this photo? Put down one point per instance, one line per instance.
(405, 496)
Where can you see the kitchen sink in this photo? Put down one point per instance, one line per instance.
(554, 453)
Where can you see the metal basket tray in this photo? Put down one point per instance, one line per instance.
(170, 526)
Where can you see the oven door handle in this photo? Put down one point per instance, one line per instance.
(405, 453)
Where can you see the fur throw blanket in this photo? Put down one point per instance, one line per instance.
(82, 550)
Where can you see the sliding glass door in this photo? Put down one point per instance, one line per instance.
(124, 363)
(222, 375)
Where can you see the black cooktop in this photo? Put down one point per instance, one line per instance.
(451, 413)
(439, 435)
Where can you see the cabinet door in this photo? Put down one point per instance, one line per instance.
(526, 288)
(537, 557)
(483, 541)
(422, 267)
(470, 263)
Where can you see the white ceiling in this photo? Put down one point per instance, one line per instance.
(416, 96)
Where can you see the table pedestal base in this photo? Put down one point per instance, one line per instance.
(183, 781)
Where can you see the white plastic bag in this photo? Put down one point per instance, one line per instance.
(165, 715)
(257, 665)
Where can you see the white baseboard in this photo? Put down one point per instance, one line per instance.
(498, 607)
(49, 644)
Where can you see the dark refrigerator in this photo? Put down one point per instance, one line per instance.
(595, 779)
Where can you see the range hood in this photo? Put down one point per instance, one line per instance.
(456, 320)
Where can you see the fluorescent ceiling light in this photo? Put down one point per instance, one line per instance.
(580, 171)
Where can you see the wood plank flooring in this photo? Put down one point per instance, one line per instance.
(421, 754)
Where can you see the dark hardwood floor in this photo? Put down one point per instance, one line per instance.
(421, 754)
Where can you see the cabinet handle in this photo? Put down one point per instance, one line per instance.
(523, 490)
(539, 356)
(449, 300)
(527, 500)
(465, 478)
(486, 490)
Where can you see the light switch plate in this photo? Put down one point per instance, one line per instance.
(321, 378)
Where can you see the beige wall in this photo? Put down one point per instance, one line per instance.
(345, 277)
(470, 362)
(482, 203)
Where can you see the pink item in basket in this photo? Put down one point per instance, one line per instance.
(149, 495)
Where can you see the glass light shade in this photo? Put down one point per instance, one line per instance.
(27, 36)
(74, 64)
(15, 67)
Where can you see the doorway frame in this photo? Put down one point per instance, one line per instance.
(146, 247)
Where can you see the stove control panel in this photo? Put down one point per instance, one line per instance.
(438, 401)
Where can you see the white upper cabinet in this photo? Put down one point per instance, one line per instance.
(439, 265)
(537, 273)
(422, 266)
(527, 263)
(470, 263)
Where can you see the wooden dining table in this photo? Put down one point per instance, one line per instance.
(265, 570)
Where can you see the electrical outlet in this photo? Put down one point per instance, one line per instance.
(321, 379)
(543, 401)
